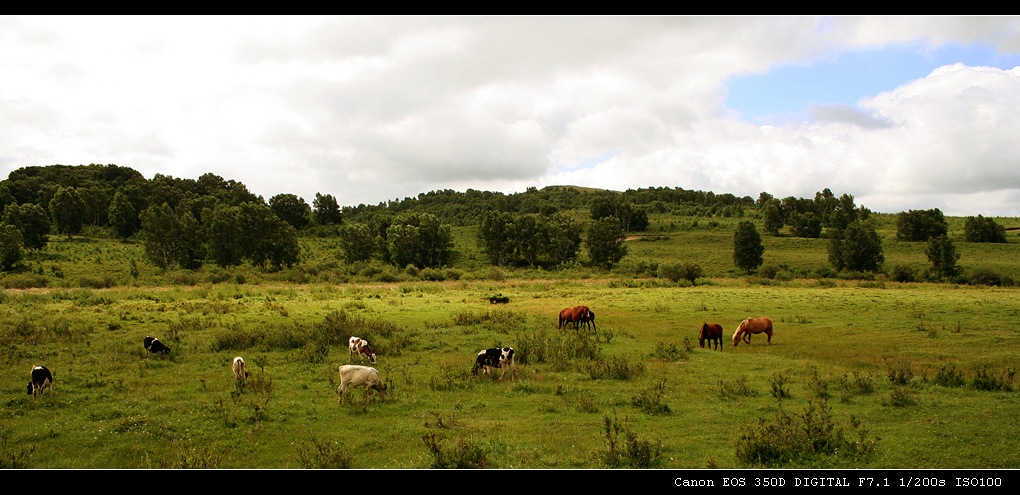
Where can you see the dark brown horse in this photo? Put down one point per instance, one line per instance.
(750, 326)
(712, 332)
(575, 315)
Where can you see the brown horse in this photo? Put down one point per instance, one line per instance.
(750, 326)
(575, 315)
(712, 332)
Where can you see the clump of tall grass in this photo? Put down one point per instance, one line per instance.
(780, 386)
(855, 383)
(670, 351)
(460, 453)
(325, 454)
(949, 376)
(735, 389)
(11, 457)
(986, 380)
(899, 370)
(810, 437)
(652, 399)
(614, 367)
(628, 451)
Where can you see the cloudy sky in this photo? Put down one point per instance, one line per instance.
(900, 112)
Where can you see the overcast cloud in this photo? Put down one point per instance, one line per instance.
(371, 109)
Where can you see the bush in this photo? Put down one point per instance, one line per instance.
(630, 452)
(321, 454)
(802, 439)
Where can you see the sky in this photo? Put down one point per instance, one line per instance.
(901, 112)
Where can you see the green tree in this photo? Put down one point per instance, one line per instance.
(268, 241)
(942, 254)
(857, 248)
(419, 239)
(806, 224)
(123, 216)
(292, 209)
(67, 211)
(773, 216)
(11, 246)
(747, 247)
(225, 235)
(920, 225)
(562, 238)
(983, 229)
(325, 210)
(170, 241)
(357, 242)
(605, 242)
(496, 235)
(33, 222)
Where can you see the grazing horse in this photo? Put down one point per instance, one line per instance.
(750, 326)
(589, 322)
(574, 315)
(712, 332)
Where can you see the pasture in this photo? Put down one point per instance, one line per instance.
(911, 375)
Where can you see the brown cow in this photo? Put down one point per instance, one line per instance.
(574, 315)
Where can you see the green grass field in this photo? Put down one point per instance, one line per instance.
(911, 375)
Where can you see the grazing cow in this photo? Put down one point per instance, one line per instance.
(42, 379)
(358, 346)
(240, 371)
(574, 315)
(353, 375)
(496, 357)
(712, 332)
(154, 346)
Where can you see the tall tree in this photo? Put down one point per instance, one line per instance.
(170, 241)
(562, 238)
(225, 234)
(33, 222)
(856, 248)
(419, 239)
(67, 211)
(357, 242)
(325, 210)
(11, 246)
(747, 247)
(983, 229)
(942, 255)
(123, 216)
(292, 209)
(920, 225)
(605, 242)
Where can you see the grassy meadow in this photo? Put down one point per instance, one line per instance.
(868, 373)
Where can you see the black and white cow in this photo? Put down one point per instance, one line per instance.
(495, 357)
(42, 379)
(154, 346)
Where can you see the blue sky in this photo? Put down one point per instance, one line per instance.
(785, 92)
(375, 108)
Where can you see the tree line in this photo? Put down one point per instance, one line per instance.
(185, 223)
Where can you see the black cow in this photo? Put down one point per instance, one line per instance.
(495, 358)
(42, 379)
(154, 346)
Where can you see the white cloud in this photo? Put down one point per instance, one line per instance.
(376, 108)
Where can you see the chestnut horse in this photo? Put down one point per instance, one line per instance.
(712, 332)
(575, 315)
(750, 326)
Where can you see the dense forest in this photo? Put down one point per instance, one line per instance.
(186, 223)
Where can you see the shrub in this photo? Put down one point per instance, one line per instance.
(736, 388)
(986, 380)
(631, 452)
(802, 439)
(323, 454)
(460, 454)
(949, 376)
(651, 400)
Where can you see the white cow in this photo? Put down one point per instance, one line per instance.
(359, 347)
(353, 375)
(240, 371)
